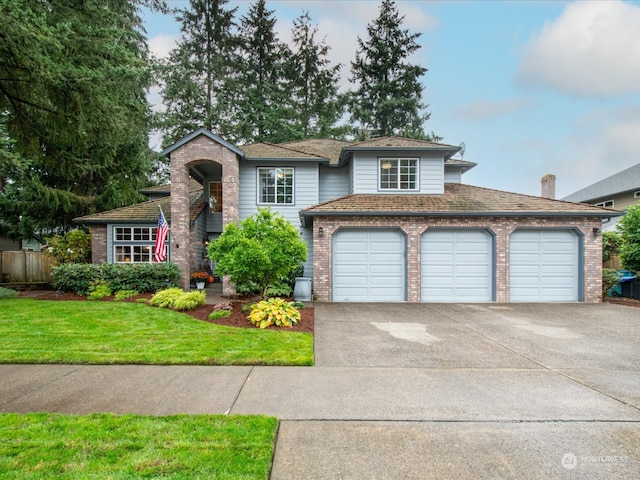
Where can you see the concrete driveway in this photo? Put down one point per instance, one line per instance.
(408, 391)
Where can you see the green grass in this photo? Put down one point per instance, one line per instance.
(104, 446)
(41, 331)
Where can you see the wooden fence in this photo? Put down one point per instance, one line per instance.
(613, 262)
(23, 266)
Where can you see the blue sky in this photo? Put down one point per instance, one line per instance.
(531, 87)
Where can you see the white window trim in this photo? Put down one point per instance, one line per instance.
(259, 200)
(133, 243)
(382, 160)
(636, 194)
(604, 204)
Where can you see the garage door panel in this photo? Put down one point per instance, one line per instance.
(369, 265)
(544, 266)
(457, 265)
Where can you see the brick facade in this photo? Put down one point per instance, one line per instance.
(501, 227)
(199, 150)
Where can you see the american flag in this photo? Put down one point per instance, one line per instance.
(160, 249)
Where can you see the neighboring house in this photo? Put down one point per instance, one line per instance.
(619, 191)
(385, 220)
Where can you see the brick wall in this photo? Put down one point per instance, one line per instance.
(199, 150)
(99, 244)
(501, 227)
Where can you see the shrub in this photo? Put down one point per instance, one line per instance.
(73, 247)
(7, 293)
(123, 294)
(274, 311)
(99, 290)
(610, 244)
(142, 277)
(189, 301)
(223, 306)
(279, 289)
(219, 314)
(166, 298)
(610, 278)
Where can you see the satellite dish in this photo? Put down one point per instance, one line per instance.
(463, 148)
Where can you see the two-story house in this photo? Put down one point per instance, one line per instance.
(387, 219)
(618, 191)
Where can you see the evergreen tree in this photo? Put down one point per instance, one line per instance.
(73, 112)
(198, 79)
(314, 83)
(262, 96)
(388, 96)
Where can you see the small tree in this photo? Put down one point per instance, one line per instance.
(629, 248)
(74, 247)
(263, 249)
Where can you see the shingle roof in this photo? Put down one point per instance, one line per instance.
(457, 200)
(145, 212)
(400, 142)
(323, 147)
(194, 186)
(624, 181)
(271, 151)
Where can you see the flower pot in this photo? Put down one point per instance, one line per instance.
(200, 285)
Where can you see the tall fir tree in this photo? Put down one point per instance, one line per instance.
(74, 119)
(263, 95)
(314, 83)
(388, 95)
(198, 78)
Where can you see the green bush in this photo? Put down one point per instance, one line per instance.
(610, 244)
(99, 290)
(219, 314)
(73, 247)
(7, 293)
(610, 278)
(274, 311)
(142, 277)
(166, 298)
(279, 289)
(189, 301)
(123, 294)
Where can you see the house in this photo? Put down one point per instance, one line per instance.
(387, 219)
(618, 191)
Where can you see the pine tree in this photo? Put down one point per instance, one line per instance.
(73, 113)
(388, 95)
(262, 96)
(198, 78)
(314, 83)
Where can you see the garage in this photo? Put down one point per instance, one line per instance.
(544, 266)
(457, 266)
(369, 265)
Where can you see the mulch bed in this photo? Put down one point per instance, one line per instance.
(237, 318)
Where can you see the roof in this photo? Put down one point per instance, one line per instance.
(145, 212)
(325, 147)
(457, 200)
(270, 151)
(166, 189)
(400, 143)
(207, 133)
(624, 181)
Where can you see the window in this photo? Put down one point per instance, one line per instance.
(133, 244)
(215, 197)
(275, 186)
(398, 173)
(636, 194)
(607, 204)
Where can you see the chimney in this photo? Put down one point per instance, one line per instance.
(548, 184)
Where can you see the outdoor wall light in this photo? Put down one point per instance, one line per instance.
(321, 232)
(596, 231)
(205, 241)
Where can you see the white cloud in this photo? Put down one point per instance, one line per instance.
(592, 49)
(484, 109)
(162, 44)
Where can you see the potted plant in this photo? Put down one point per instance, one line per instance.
(200, 278)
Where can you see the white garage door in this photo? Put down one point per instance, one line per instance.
(369, 266)
(544, 266)
(457, 266)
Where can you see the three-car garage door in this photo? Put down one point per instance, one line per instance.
(457, 266)
(544, 266)
(369, 266)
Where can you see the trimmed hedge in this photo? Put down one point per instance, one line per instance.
(143, 277)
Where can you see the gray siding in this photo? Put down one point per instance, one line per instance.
(334, 183)
(452, 175)
(365, 172)
(306, 182)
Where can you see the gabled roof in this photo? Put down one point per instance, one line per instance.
(624, 181)
(397, 144)
(270, 151)
(166, 189)
(145, 212)
(457, 200)
(197, 133)
(324, 147)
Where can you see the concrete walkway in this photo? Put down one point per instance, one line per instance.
(406, 391)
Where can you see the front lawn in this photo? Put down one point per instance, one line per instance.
(83, 332)
(44, 445)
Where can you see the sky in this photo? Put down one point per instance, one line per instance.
(530, 87)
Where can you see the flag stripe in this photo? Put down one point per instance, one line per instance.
(160, 248)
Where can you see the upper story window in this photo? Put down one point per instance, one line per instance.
(215, 197)
(275, 186)
(398, 173)
(607, 204)
(636, 194)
